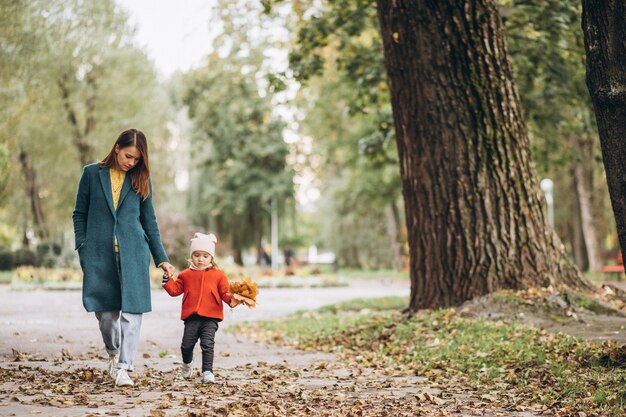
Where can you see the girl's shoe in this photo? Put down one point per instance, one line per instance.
(208, 377)
(122, 379)
(186, 370)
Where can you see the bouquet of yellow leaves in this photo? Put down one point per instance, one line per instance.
(244, 291)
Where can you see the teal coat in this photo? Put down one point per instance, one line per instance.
(96, 223)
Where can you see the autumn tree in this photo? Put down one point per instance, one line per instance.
(474, 213)
(604, 26)
(546, 47)
(71, 80)
(238, 162)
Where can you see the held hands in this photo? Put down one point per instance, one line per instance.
(168, 268)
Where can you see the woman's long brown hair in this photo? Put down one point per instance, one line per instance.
(140, 173)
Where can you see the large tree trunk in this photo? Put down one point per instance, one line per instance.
(474, 215)
(604, 26)
(32, 191)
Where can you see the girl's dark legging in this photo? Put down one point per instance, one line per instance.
(203, 328)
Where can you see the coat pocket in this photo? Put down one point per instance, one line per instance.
(217, 298)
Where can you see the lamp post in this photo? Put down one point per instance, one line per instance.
(547, 185)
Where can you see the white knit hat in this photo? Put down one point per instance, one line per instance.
(200, 241)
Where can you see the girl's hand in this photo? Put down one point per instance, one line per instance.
(234, 302)
(168, 268)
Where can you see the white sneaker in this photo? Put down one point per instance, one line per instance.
(186, 370)
(122, 379)
(113, 365)
(208, 377)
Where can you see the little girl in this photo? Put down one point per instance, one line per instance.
(204, 287)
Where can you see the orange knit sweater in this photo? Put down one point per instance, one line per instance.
(203, 292)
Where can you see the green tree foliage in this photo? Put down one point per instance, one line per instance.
(356, 167)
(238, 153)
(340, 41)
(338, 58)
(546, 45)
(71, 81)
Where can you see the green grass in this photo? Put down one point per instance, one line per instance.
(495, 358)
(373, 304)
(5, 277)
(599, 277)
(375, 274)
(589, 303)
(507, 297)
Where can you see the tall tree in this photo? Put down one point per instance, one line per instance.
(59, 55)
(347, 114)
(546, 46)
(238, 153)
(604, 26)
(474, 216)
(355, 165)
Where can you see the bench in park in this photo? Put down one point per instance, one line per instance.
(619, 268)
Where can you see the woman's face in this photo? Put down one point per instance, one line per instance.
(126, 158)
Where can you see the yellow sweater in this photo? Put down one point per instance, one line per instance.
(117, 180)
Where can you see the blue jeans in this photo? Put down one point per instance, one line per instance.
(120, 331)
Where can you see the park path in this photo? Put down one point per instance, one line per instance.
(62, 361)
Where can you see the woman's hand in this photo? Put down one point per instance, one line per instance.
(168, 268)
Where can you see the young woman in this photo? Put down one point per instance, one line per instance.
(116, 232)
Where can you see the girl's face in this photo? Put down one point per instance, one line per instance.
(201, 259)
(126, 158)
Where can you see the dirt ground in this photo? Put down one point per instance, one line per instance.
(593, 326)
(61, 367)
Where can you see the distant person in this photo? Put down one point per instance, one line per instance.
(116, 232)
(205, 287)
(288, 254)
(264, 257)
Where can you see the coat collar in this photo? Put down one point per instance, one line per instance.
(105, 180)
(126, 187)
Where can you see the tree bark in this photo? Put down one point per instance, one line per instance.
(80, 135)
(583, 178)
(394, 227)
(604, 27)
(32, 191)
(474, 215)
(575, 230)
(238, 257)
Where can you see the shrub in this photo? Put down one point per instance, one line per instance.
(7, 259)
(25, 257)
(48, 249)
(48, 254)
